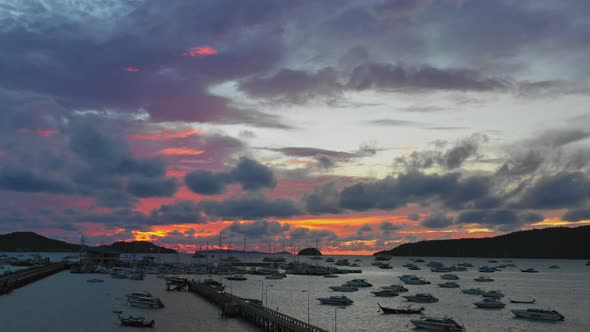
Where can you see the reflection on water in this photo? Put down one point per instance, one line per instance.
(67, 302)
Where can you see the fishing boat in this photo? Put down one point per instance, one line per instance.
(522, 301)
(134, 321)
(541, 314)
(438, 324)
(401, 310)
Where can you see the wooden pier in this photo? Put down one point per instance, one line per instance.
(23, 277)
(250, 310)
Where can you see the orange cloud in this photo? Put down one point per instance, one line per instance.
(200, 51)
(167, 134)
(181, 151)
(131, 69)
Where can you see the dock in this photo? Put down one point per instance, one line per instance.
(23, 277)
(249, 309)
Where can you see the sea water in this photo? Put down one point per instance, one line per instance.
(67, 302)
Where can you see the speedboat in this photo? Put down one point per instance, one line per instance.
(473, 291)
(136, 295)
(414, 268)
(134, 321)
(335, 300)
(420, 297)
(449, 277)
(490, 302)
(438, 324)
(483, 279)
(145, 302)
(492, 293)
(449, 284)
(358, 283)
(522, 301)
(401, 310)
(236, 277)
(385, 293)
(529, 270)
(542, 314)
(344, 288)
(396, 288)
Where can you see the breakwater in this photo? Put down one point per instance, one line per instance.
(17, 279)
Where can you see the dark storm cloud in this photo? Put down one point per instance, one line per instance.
(115, 199)
(323, 199)
(250, 174)
(180, 212)
(258, 228)
(437, 220)
(576, 215)
(252, 207)
(557, 191)
(501, 219)
(141, 186)
(18, 179)
(388, 226)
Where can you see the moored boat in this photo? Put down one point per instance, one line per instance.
(449, 284)
(145, 302)
(492, 293)
(385, 293)
(396, 288)
(236, 277)
(344, 288)
(534, 313)
(401, 310)
(473, 291)
(490, 302)
(420, 297)
(335, 300)
(449, 277)
(529, 270)
(134, 321)
(522, 301)
(438, 324)
(483, 279)
(95, 280)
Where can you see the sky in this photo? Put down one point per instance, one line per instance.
(351, 125)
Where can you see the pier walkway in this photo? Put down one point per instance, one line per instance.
(250, 310)
(22, 277)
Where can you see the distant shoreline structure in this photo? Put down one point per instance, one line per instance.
(546, 243)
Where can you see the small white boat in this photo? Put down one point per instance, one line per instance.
(145, 302)
(449, 277)
(438, 324)
(472, 291)
(449, 284)
(483, 279)
(490, 302)
(492, 293)
(385, 293)
(344, 288)
(420, 297)
(336, 300)
(236, 277)
(534, 313)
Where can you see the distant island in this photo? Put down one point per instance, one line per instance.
(33, 242)
(555, 242)
(310, 252)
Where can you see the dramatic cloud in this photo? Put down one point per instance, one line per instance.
(437, 220)
(576, 215)
(252, 207)
(323, 199)
(258, 228)
(558, 191)
(501, 219)
(180, 212)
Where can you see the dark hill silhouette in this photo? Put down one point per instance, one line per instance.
(33, 242)
(556, 242)
(310, 252)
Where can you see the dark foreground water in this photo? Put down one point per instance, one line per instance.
(66, 302)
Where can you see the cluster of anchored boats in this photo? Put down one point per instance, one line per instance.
(491, 299)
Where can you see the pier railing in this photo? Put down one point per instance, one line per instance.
(251, 310)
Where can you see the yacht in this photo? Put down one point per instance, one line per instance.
(335, 300)
(236, 277)
(413, 280)
(420, 297)
(438, 323)
(396, 288)
(492, 293)
(473, 291)
(385, 293)
(529, 270)
(358, 283)
(449, 277)
(344, 288)
(534, 313)
(490, 302)
(483, 279)
(145, 302)
(449, 284)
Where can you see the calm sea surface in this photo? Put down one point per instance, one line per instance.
(66, 302)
